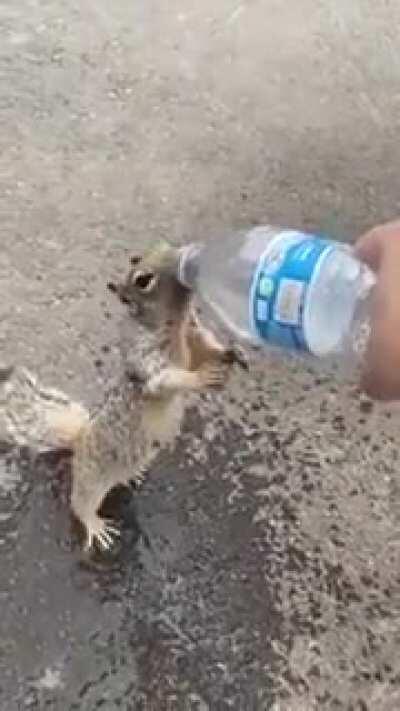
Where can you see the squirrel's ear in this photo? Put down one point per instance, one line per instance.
(135, 259)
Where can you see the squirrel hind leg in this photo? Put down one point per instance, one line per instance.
(100, 531)
(85, 502)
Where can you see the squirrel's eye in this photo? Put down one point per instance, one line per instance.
(145, 281)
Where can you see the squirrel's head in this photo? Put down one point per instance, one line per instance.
(152, 291)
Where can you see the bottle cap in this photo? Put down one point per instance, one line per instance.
(187, 263)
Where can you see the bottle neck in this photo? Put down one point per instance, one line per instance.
(188, 264)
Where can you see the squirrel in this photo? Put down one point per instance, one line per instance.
(165, 352)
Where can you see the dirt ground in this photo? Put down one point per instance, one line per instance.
(259, 565)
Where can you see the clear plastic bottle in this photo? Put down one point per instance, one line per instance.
(285, 288)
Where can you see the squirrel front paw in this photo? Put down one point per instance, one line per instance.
(213, 375)
(233, 355)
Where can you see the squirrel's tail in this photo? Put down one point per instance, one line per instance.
(37, 417)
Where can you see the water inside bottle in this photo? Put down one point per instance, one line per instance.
(226, 277)
(338, 319)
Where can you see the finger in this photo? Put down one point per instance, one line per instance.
(369, 250)
(380, 383)
(371, 247)
(381, 376)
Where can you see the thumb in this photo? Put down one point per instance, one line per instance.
(371, 247)
(368, 249)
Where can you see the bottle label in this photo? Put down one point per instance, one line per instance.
(281, 285)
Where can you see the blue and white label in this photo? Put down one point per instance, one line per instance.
(278, 299)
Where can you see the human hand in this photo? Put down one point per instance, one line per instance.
(380, 250)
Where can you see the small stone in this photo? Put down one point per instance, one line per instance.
(30, 701)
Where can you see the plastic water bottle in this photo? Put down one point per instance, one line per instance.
(284, 288)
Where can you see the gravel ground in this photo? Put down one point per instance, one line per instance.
(259, 565)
